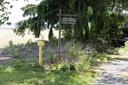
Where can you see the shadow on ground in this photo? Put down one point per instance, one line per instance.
(109, 79)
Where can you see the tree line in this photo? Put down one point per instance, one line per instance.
(96, 19)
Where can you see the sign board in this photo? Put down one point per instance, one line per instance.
(64, 19)
(68, 20)
(68, 15)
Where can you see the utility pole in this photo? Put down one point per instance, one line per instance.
(59, 40)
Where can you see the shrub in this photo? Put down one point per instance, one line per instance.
(74, 48)
(68, 67)
(123, 50)
(51, 57)
(99, 58)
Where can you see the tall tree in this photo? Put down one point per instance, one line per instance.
(99, 18)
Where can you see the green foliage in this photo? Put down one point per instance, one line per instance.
(10, 43)
(84, 65)
(53, 43)
(34, 24)
(74, 48)
(21, 65)
(68, 33)
(51, 57)
(81, 60)
(3, 11)
(67, 68)
(99, 19)
(123, 49)
(126, 44)
(20, 72)
(29, 10)
(101, 58)
(77, 71)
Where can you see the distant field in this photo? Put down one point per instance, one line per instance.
(8, 35)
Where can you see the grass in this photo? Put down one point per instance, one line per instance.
(21, 73)
(124, 49)
(76, 68)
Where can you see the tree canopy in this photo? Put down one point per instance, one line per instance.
(3, 11)
(99, 18)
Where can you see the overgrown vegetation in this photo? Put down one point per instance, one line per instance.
(74, 66)
(31, 74)
(123, 49)
(86, 43)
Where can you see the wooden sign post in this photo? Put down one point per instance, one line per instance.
(59, 40)
(67, 19)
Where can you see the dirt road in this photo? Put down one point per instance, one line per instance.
(111, 73)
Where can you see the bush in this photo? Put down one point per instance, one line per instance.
(99, 58)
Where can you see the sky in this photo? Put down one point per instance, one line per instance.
(16, 12)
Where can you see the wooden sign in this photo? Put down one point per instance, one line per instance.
(68, 15)
(68, 20)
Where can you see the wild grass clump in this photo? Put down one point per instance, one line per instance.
(126, 46)
(123, 49)
(51, 57)
(97, 59)
(83, 61)
(74, 49)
